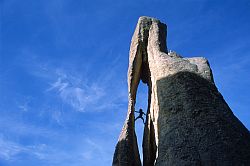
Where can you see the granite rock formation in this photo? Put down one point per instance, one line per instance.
(188, 122)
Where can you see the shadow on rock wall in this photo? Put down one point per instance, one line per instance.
(196, 126)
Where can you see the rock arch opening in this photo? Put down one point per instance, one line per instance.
(141, 103)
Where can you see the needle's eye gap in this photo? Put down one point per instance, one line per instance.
(140, 113)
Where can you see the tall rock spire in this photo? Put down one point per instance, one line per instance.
(188, 121)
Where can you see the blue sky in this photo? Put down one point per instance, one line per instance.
(63, 70)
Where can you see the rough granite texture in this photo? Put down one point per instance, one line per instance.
(188, 122)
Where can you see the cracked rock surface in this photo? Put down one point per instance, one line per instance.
(188, 121)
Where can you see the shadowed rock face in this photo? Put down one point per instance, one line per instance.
(188, 122)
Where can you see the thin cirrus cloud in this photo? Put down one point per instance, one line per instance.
(8, 149)
(82, 152)
(11, 152)
(50, 151)
(76, 96)
(79, 94)
(79, 88)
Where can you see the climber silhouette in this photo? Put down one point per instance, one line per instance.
(140, 115)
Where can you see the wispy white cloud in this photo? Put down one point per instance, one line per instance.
(79, 89)
(24, 105)
(91, 152)
(8, 149)
(83, 88)
(230, 63)
(78, 96)
(59, 85)
(95, 148)
(86, 151)
(57, 115)
(24, 129)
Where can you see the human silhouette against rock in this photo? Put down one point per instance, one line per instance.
(141, 113)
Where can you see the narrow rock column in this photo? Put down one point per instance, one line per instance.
(126, 151)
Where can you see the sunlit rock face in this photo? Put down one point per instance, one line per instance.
(188, 122)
